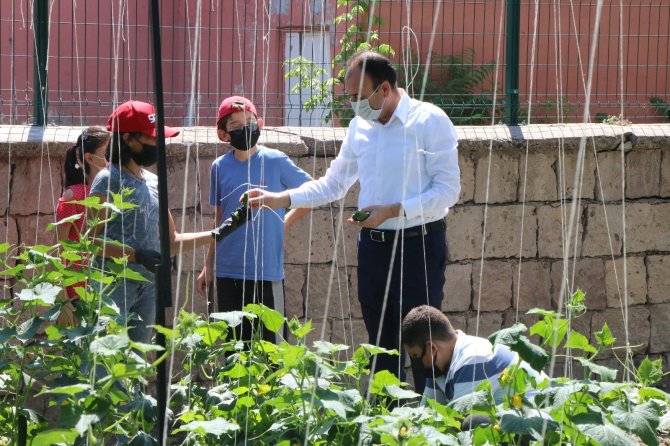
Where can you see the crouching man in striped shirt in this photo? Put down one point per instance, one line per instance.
(455, 363)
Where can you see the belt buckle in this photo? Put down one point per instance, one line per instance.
(377, 236)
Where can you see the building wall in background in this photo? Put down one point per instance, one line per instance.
(99, 55)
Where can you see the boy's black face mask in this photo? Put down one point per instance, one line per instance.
(147, 157)
(245, 137)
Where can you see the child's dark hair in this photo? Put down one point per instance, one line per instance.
(119, 152)
(75, 167)
(221, 125)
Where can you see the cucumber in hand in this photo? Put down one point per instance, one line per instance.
(360, 215)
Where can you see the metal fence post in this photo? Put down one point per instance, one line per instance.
(163, 284)
(512, 62)
(41, 28)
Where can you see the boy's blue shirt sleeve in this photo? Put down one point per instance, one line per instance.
(292, 176)
(102, 183)
(214, 198)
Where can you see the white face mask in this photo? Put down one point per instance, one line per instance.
(362, 108)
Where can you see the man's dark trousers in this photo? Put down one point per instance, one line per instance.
(423, 259)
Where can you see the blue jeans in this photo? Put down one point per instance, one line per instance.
(138, 298)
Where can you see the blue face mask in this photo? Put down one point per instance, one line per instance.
(363, 109)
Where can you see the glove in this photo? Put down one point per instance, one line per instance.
(236, 219)
(148, 258)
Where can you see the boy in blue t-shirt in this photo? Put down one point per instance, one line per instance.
(132, 148)
(250, 261)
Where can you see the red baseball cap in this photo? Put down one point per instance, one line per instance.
(235, 104)
(136, 117)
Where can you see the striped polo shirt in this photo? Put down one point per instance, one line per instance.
(473, 361)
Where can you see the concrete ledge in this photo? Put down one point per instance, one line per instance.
(29, 141)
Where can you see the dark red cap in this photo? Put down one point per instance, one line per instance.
(136, 117)
(235, 104)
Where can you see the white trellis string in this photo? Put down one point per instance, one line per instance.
(578, 174)
(525, 168)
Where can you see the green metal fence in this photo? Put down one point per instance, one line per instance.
(511, 61)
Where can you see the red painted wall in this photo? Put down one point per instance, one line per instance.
(100, 56)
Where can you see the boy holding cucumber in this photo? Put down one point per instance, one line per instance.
(249, 262)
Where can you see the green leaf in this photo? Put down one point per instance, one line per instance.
(578, 341)
(7, 333)
(508, 336)
(110, 345)
(89, 202)
(169, 333)
(142, 439)
(28, 329)
(604, 336)
(647, 393)
(85, 422)
(120, 370)
(236, 372)
(650, 372)
(55, 436)
(664, 424)
(605, 373)
(272, 319)
(325, 347)
(11, 272)
(350, 397)
(543, 312)
(559, 392)
(122, 271)
(70, 219)
(375, 350)
(607, 434)
(386, 50)
(399, 393)
(590, 417)
(479, 400)
(336, 406)
(4, 247)
(211, 332)
(551, 330)
(216, 427)
(433, 436)
(66, 390)
(642, 420)
(525, 424)
(535, 356)
(381, 379)
(144, 348)
(302, 330)
(44, 292)
(53, 334)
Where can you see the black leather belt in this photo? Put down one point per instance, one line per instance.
(388, 235)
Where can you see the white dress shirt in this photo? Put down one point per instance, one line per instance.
(412, 160)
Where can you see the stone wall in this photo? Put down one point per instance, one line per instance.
(513, 220)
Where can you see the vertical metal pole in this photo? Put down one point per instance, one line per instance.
(512, 62)
(163, 282)
(41, 28)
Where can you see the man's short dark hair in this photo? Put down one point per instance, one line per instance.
(377, 67)
(425, 323)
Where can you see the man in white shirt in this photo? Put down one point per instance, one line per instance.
(403, 153)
